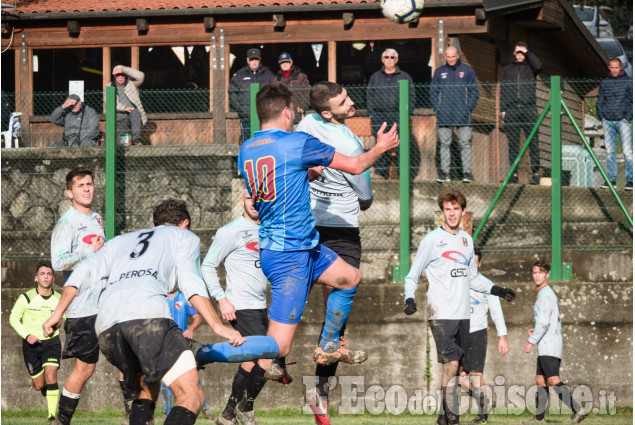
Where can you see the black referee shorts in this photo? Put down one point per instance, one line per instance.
(344, 241)
(45, 353)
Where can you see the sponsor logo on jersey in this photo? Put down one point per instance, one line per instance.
(441, 244)
(253, 246)
(473, 301)
(82, 228)
(455, 256)
(178, 305)
(88, 239)
(458, 272)
(138, 273)
(464, 240)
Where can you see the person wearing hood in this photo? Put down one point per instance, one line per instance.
(292, 76)
(518, 106)
(382, 98)
(615, 109)
(453, 94)
(131, 116)
(253, 72)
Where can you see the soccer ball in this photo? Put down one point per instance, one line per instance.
(401, 11)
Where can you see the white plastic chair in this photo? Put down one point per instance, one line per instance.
(7, 136)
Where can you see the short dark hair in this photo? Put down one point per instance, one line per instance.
(271, 100)
(170, 211)
(453, 196)
(321, 93)
(543, 265)
(41, 264)
(478, 253)
(522, 44)
(77, 172)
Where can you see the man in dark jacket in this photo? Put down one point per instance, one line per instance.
(80, 122)
(382, 97)
(292, 76)
(239, 86)
(453, 94)
(615, 109)
(518, 105)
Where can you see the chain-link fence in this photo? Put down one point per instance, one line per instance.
(194, 137)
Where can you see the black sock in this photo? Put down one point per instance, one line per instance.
(239, 387)
(142, 412)
(179, 415)
(256, 382)
(564, 393)
(43, 391)
(450, 404)
(128, 395)
(66, 409)
(542, 396)
(479, 397)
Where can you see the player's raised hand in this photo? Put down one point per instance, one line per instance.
(227, 309)
(505, 293)
(389, 140)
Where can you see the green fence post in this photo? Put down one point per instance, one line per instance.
(111, 162)
(556, 180)
(254, 123)
(400, 271)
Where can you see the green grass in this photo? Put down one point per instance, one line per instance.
(624, 416)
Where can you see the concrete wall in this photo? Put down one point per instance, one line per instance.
(597, 331)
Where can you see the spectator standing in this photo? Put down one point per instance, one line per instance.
(292, 76)
(518, 106)
(41, 354)
(130, 113)
(453, 94)
(615, 110)
(253, 72)
(382, 101)
(80, 122)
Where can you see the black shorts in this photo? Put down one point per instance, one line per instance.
(450, 337)
(344, 241)
(81, 339)
(251, 322)
(474, 358)
(147, 346)
(45, 353)
(548, 366)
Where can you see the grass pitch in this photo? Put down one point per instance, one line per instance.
(623, 416)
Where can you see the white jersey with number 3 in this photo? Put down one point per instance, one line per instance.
(135, 272)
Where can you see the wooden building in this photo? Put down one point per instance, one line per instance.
(193, 43)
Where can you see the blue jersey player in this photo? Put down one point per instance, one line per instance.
(276, 165)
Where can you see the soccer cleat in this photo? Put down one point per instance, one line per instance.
(534, 420)
(479, 420)
(579, 417)
(441, 420)
(208, 413)
(467, 177)
(443, 177)
(628, 186)
(606, 186)
(55, 421)
(221, 420)
(278, 373)
(51, 419)
(319, 406)
(342, 355)
(245, 417)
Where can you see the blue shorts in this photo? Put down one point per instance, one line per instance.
(291, 275)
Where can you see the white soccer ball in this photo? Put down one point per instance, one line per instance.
(401, 11)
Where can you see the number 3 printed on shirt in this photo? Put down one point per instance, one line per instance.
(262, 178)
(141, 247)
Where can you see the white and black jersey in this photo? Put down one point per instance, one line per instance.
(236, 244)
(71, 243)
(547, 332)
(449, 263)
(336, 196)
(480, 304)
(135, 272)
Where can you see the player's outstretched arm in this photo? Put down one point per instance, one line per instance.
(205, 309)
(54, 322)
(506, 293)
(359, 164)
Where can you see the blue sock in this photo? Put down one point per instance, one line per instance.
(256, 347)
(338, 308)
